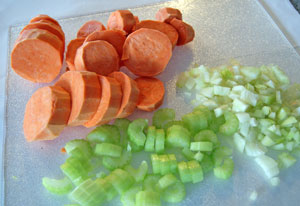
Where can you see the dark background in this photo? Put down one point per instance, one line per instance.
(296, 4)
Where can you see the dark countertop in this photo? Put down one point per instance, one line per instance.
(296, 4)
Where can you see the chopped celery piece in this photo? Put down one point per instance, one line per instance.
(221, 91)
(122, 125)
(160, 141)
(150, 182)
(217, 122)
(150, 141)
(105, 133)
(208, 113)
(108, 149)
(195, 121)
(239, 141)
(289, 122)
(220, 154)
(207, 163)
(188, 154)
(225, 170)
(178, 136)
(76, 170)
(88, 193)
(231, 124)
(59, 187)
(171, 123)
(128, 198)
(184, 172)
(83, 146)
(166, 181)
(207, 135)
(164, 164)
(121, 180)
(286, 160)
(147, 198)
(198, 156)
(140, 173)
(195, 170)
(134, 147)
(112, 163)
(155, 160)
(250, 73)
(268, 164)
(108, 189)
(175, 193)
(136, 131)
(172, 163)
(163, 116)
(267, 141)
(201, 146)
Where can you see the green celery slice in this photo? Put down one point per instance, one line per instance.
(121, 180)
(231, 124)
(162, 116)
(184, 172)
(150, 141)
(105, 133)
(59, 187)
(224, 171)
(155, 160)
(150, 182)
(207, 163)
(136, 131)
(160, 141)
(206, 135)
(220, 154)
(201, 146)
(147, 198)
(166, 181)
(83, 147)
(122, 125)
(195, 121)
(108, 149)
(140, 173)
(112, 163)
(128, 198)
(175, 193)
(196, 171)
(178, 136)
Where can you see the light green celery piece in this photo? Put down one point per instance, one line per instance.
(83, 147)
(147, 198)
(207, 163)
(88, 193)
(231, 124)
(150, 141)
(220, 154)
(164, 164)
(282, 78)
(172, 163)
(121, 180)
(198, 156)
(166, 181)
(140, 173)
(289, 122)
(163, 116)
(201, 146)
(184, 172)
(217, 122)
(155, 160)
(207, 135)
(250, 73)
(112, 163)
(226, 74)
(107, 187)
(128, 198)
(225, 170)
(108, 149)
(160, 141)
(105, 133)
(150, 182)
(136, 131)
(122, 125)
(286, 160)
(171, 123)
(196, 171)
(209, 114)
(178, 136)
(175, 193)
(57, 186)
(188, 154)
(195, 121)
(76, 169)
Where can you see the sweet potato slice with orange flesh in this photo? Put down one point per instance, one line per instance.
(97, 56)
(167, 14)
(71, 52)
(114, 37)
(165, 28)
(146, 52)
(130, 93)
(185, 31)
(38, 57)
(46, 114)
(152, 93)
(44, 17)
(121, 20)
(109, 104)
(85, 91)
(90, 27)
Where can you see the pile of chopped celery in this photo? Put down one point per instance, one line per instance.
(261, 105)
(98, 168)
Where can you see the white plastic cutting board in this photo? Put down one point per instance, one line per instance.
(224, 29)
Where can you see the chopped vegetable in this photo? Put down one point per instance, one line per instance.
(59, 187)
